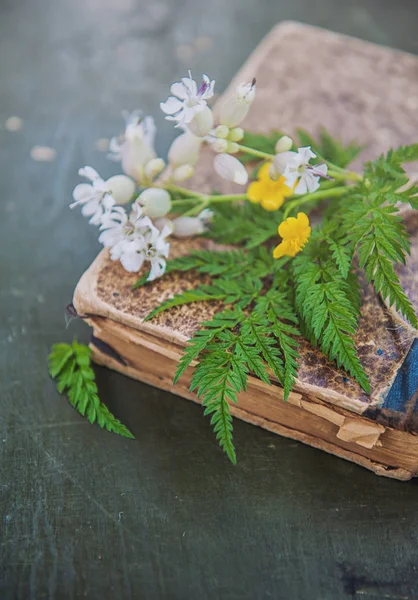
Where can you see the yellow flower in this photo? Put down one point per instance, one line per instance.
(295, 232)
(270, 193)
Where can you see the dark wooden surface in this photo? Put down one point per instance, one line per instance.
(86, 514)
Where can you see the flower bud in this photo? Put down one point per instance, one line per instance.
(184, 150)
(182, 173)
(121, 187)
(230, 168)
(202, 122)
(222, 131)
(284, 144)
(135, 153)
(163, 222)
(187, 226)
(236, 134)
(154, 168)
(156, 202)
(232, 147)
(235, 108)
(219, 145)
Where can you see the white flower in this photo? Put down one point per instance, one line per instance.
(157, 252)
(187, 100)
(297, 171)
(133, 239)
(125, 236)
(135, 148)
(235, 108)
(156, 202)
(184, 150)
(95, 197)
(230, 168)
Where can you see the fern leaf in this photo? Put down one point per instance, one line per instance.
(329, 314)
(201, 339)
(218, 378)
(199, 294)
(70, 365)
(341, 256)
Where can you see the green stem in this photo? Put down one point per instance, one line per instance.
(175, 189)
(256, 153)
(343, 175)
(215, 199)
(184, 201)
(322, 194)
(226, 198)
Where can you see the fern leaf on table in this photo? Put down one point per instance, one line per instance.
(70, 365)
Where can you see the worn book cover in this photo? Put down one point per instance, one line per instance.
(375, 103)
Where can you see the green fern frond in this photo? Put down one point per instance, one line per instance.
(70, 366)
(218, 378)
(381, 239)
(341, 256)
(329, 314)
(198, 343)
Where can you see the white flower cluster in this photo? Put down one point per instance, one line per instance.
(188, 108)
(140, 234)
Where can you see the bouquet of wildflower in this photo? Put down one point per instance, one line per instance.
(291, 269)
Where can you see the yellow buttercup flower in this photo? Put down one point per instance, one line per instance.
(268, 192)
(295, 232)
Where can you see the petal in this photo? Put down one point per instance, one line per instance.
(190, 85)
(288, 228)
(97, 217)
(157, 268)
(89, 208)
(272, 205)
(321, 169)
(150, 129)
(179, 90)
(171, 105)
(89, 173)
(311, 180)
(291, 178)
(272, 201)
(132, 261)
(281, 250)
(303, 220)
(255, 191)
(286, 161)
(301, 187)
(230, 168)
(306, 154)
(82, 192)
(264, 172)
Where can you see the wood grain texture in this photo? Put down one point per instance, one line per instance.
(86, 514)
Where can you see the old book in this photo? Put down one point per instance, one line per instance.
(307, 78)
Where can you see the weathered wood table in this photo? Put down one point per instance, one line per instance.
(85, 514)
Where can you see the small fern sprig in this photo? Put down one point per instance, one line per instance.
(70, 365)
